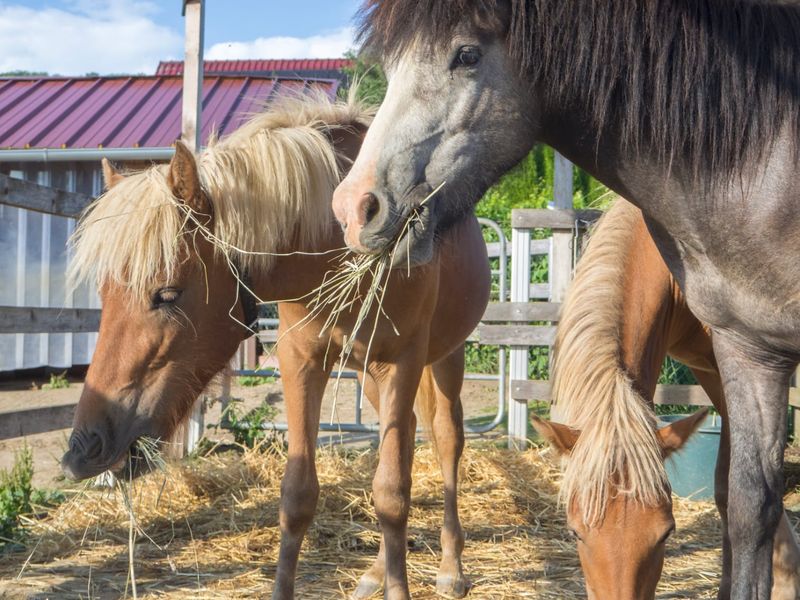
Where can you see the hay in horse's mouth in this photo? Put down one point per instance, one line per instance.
(143, 456)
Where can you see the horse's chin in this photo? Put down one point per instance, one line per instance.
(415, 247)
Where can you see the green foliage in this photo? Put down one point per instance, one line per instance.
(675, 373)
(248, 429)
(530, 185)
(58, 381)
(254, 380)
(21, 73)
(368, 76)
(15, 493)
(18, 496)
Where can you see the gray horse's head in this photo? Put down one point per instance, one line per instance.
(453, 117)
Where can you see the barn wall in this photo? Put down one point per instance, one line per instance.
(33, 261)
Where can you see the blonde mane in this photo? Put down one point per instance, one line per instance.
(270, 184)
(617, 451)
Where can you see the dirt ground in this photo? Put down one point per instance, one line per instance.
(479, 399)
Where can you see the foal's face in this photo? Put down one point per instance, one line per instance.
(452, 117)
(154, 356)
(622, 555)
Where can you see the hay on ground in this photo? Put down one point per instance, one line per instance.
(212, 532)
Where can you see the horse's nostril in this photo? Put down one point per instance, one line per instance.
(94, 446)
(87, 445)
(371, 207)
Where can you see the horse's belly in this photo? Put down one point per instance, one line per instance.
(464, 285)
(762, 308)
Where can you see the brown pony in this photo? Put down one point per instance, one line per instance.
(163, 246)
(623, 314)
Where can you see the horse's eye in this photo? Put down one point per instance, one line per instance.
(165, 297)
(575, 535)
(466, 56)
(666, 535)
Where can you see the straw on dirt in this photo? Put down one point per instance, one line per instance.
(214, 531)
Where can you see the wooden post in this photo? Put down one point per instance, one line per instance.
(191, 127)
(561, 251)
(518, 361)
(561, 247)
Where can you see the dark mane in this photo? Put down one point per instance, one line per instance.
(388, 28)
(704, 83)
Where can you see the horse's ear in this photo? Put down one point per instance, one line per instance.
(111, 176)
(560, 437)
(184, 180)
(675, 435)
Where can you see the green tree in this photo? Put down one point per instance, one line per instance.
(21, 73)
(369, 77)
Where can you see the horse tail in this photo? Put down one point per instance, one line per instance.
(425, 402)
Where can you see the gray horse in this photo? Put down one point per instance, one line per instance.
(689, 108)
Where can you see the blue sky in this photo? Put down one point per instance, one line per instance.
(72, 37)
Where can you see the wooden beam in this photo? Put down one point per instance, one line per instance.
(27, 319)
(31, 196)
(36, 420)
(517, 335)
(191, 126)
(522, 312)
(562, 181)
(682, 395)
(539, 291)
(542, 218)
(524, 389)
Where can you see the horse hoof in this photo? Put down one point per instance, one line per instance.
(366, 589)
(451, 587)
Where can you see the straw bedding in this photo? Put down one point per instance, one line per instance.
(213, 533)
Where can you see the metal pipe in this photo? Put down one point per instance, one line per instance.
(49, 155)
(501, 355)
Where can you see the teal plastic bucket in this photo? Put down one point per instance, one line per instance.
(691, 469)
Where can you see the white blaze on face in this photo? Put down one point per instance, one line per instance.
(361, 180)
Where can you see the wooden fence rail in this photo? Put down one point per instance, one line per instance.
(28, 319)
(32, 196)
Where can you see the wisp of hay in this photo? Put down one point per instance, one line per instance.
(341, 289)
(147, 448)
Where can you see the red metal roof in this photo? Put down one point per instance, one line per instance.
(266, 66)
(128, 112)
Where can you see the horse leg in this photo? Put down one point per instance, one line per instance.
(785, 553)
(372, 579)
(712, 384)
(392, 484)
(785, 563)
(303, 385)
(756, 385)
(448, 434)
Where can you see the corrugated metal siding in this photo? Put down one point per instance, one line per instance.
(119, 112)
(128, 112)
(267, 66)
(33, 261)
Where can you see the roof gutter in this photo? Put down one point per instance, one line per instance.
(46, 155)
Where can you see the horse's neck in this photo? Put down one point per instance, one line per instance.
(648, 305)
(298, 270)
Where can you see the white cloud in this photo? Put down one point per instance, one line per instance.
(329, 45)
(104, 36)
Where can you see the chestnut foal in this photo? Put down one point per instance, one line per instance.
(163, 246)
(623, 314)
